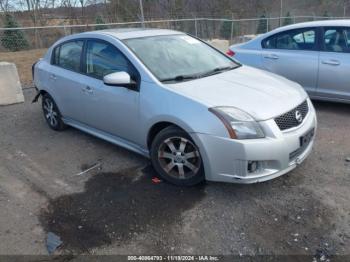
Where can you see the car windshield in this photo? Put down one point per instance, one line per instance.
(175, 58)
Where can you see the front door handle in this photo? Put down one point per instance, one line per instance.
(88, 89)
(272, 56)
(331, 62)
(53, 77)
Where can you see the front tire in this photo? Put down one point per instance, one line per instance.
(176, 158)
(52, 114)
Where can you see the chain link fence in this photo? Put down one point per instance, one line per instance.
(234, 30)
(23, 46)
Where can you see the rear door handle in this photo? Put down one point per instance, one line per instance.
(272, 56)
(331, 62)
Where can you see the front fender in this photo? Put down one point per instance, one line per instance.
(161, 104)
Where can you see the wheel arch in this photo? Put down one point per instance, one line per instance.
(160, 122)
(157, 127)
(39, 93)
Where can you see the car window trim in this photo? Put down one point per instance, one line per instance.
(53, 59)
(322, 34)
(83, 59)
(53, 55)
(316, 45)
(84, 65)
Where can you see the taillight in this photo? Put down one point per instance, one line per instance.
(230, 53)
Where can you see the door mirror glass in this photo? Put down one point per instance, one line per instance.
(117, 79)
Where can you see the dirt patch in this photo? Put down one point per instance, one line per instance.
(116, 208)
(24, 61)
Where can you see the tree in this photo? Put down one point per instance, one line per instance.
(325, 15)
(226, 28)
(5, 6)
(262, 26)
(100, 23)
(13, 40)
(82, 3)
(288, 20)
(345, 6)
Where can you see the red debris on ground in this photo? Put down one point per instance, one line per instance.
(156, 180)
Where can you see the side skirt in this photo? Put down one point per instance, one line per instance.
(108, 137)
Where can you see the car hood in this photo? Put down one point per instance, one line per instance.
(261, 94)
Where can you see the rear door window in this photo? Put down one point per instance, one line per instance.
(68, 55)
(298, 39)
(336, 39)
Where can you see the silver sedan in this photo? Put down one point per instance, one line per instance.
(196, 113)
(314, 54)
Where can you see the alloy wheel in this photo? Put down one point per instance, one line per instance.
(50, 112)
(179, 157)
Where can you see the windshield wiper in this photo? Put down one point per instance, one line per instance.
(218, 70)
(214, 71)
(179, 78)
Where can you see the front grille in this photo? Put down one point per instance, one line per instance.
(289, 119)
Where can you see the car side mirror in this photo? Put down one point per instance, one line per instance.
(119, 79)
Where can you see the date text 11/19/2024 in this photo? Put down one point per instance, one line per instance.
(173, 258)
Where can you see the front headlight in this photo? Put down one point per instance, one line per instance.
(239, 124)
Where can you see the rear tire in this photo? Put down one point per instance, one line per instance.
(176, 158)
(52, 114)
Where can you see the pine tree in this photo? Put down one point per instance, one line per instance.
(288, 20)
(225, 30)
(262, 26)
(13, 40)
(99, 21)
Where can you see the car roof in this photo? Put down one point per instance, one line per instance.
(127, 33)
(256, 42)
(314, 24)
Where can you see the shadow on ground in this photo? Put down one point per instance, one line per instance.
(115, 207)
(332, 107)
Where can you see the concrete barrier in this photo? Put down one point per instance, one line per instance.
(10, 86)
(222, 45)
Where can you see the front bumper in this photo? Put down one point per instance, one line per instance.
(226, 160)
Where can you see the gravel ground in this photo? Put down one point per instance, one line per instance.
(116, 209)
